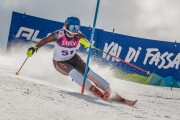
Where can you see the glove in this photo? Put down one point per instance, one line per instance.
(31, 50)
(85, 43)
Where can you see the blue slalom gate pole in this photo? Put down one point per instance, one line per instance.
(89, 53)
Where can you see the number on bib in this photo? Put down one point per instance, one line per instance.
(66, 52)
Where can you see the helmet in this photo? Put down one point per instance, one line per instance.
(72, 23)
(72, 20)
(72, 26)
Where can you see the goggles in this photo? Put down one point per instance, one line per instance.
(74, 27)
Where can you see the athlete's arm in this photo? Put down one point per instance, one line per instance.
(50, 38)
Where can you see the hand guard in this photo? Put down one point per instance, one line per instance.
(85, 43)
(31, 50)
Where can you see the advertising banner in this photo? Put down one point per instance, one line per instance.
(159, 57)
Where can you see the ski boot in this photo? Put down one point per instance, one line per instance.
(98, 93)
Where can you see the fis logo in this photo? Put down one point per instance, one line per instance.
(29, 34)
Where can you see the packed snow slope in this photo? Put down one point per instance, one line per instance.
(39, 92)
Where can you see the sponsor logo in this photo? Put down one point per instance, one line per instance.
(153, 56)
(66, 43)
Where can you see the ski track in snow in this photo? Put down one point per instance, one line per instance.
(24, 98)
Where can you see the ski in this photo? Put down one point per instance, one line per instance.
(119, 99)
(128, 102)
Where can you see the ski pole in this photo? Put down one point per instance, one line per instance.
(17, 73)
(122, 60)
(89, 53)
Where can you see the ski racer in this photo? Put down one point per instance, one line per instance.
(68, 62)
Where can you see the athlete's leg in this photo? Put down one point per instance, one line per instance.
(89, 87)
(75, 68)
(99, 81)
(65, 68)
(62, 67)
(79, 65)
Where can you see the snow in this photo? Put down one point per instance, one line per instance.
(39, 92)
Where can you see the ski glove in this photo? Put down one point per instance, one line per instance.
(85, 43)
(31, 50)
